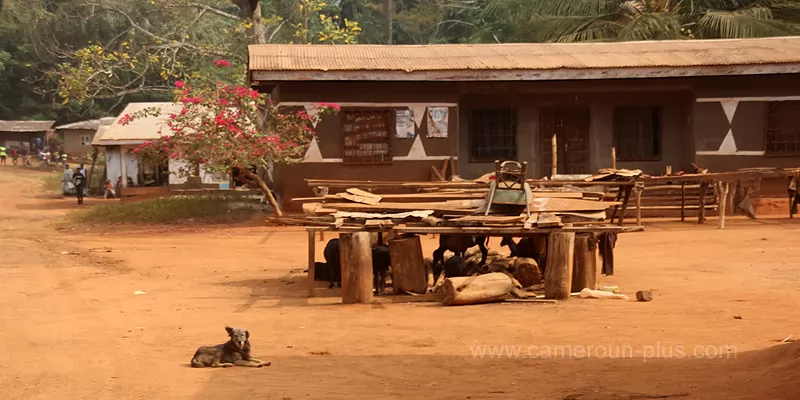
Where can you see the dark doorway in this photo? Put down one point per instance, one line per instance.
(571, 127)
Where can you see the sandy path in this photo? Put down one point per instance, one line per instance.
(71, 326)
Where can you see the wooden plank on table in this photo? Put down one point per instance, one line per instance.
(597, 215)
(510, 231)
(547, 220)
(359, 199)
(378, 223)
(556, 204)
(496, 219)
(364, 193)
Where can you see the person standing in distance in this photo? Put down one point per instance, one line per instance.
(80, 182)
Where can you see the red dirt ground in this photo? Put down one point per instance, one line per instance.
(72, 327)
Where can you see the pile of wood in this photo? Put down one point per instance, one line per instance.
(448, 204)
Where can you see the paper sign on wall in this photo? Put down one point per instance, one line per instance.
(404, 123)
(437, 122)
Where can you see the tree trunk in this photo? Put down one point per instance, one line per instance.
(250, 10)
(476, 290)
(355, 256)
(91, 169)
(409, 272)
(389, 20)
(264, 189)
(558, 274)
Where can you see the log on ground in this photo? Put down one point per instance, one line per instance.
(527, 272)
(476, 290)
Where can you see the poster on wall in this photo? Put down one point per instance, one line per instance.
(437, 122)
(404, 124)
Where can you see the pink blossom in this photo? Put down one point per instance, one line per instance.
(179, 84)
(125, 120)
(222, 63)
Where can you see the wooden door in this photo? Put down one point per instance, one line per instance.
(571, 127)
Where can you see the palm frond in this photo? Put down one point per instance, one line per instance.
(652, 26)
(721, 24)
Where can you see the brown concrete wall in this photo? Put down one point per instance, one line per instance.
(676, 132)
(331, 141)
(72, 142)
(749, 120)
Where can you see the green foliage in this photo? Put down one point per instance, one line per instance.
(168, 210)
(606, 20)
(78, 59)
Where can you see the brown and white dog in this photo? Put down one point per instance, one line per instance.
(234, 352)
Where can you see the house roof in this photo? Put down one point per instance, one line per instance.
(25, 126)
(537, 61)
(91, 124)
(140, 130)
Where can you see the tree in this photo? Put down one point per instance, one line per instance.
(169, 40)
(224, 127)
(604, 20)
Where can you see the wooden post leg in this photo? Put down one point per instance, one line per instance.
(321, 236)
(683, 201)
(701, 213)
(356, 260)
(558, 276)
(639, 189)
(624, 205)
(585, 268)
(312, 258)
(723, 202)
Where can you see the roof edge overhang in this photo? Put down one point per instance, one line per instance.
(561, 74)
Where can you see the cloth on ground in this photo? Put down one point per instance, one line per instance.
(607, 241)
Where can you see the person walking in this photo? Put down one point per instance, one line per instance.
(3, 155)
(66, 181)
(80, 182)
(14, 156)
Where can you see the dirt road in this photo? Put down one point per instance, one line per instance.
(71, 326)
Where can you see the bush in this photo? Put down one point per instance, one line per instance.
(170, 210)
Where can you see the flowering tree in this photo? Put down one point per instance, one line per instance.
(229, 126)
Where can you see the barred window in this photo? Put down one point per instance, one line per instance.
(492, 135)
(637, 133)
(783, 128)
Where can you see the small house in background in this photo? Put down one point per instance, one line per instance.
(24, 135)
(724, 104)
(117, 141)
(78, 137)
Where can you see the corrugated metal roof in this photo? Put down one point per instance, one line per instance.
(538, 56)
(25, 126)
(91, 124)
(140, 130)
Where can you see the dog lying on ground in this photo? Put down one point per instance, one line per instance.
(234, 352)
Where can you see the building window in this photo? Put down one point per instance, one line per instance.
(492, 135)
(783, 128)
(637, 133)
(86, 140)
(366, 137)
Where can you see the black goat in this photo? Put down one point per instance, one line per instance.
(333, 260)
(380, 264)
(381, 260)
(458, 245)
(527, 248)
